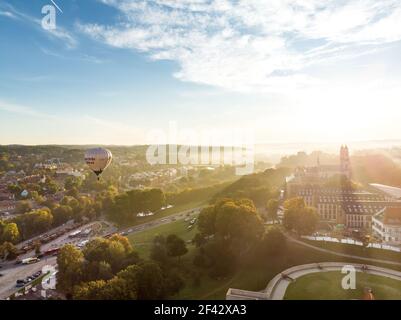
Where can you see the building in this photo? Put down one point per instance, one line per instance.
(352, 208)
(319, 173)
(7, 206)
(387, 191)
(345, 205)
(386, 225)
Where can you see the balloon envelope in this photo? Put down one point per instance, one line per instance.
(98, 159)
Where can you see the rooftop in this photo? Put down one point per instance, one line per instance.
(389, 190)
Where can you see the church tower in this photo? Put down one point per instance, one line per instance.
(345, 161)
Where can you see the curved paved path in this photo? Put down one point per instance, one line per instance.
(277, 287)
(290, 238)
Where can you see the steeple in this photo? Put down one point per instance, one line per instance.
(345, 161)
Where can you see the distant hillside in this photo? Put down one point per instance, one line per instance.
(259, 187)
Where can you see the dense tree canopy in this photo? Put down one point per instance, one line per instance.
(124, 207)
(299, 217)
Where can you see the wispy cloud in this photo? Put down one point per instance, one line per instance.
(59, 33)
(250, 44)
(25, 111)
(78, 57)
(8, 14)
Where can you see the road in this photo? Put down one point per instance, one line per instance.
(158, 222)
(11, 275)
(11, 272)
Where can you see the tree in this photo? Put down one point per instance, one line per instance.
(206, 221)
(72, 182)
(273, 243)
(147, 278)
(93, 290)
(175, 246)
(116, 251)
(34, 222)
(272, 208)
(299, 217)
(37, 247)
(158, 251)
(8, 251)
(23, 206)
(308, 221)
(10, 233)
(220, 258)
(70, 266)
(237, 222)
(61, 214)
(73, 192)
(199, 240)
(95, 270)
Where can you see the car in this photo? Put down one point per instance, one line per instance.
(20, 281)
(1, 275)
(130, 230)
(19, 285)
(125, 233)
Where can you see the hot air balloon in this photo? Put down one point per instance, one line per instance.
(98, 159)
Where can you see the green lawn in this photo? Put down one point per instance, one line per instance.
(357, 250)
(165, 213)
(142, 241)
(327, 286)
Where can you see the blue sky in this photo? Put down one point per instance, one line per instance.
(114, 70)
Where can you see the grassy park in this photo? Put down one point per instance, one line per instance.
(142, 241)
(327, 286)
(252, 274)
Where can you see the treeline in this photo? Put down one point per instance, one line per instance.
(376, 168)
(196, 194)
(124, 207)
(32, 222)
(259, 187)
